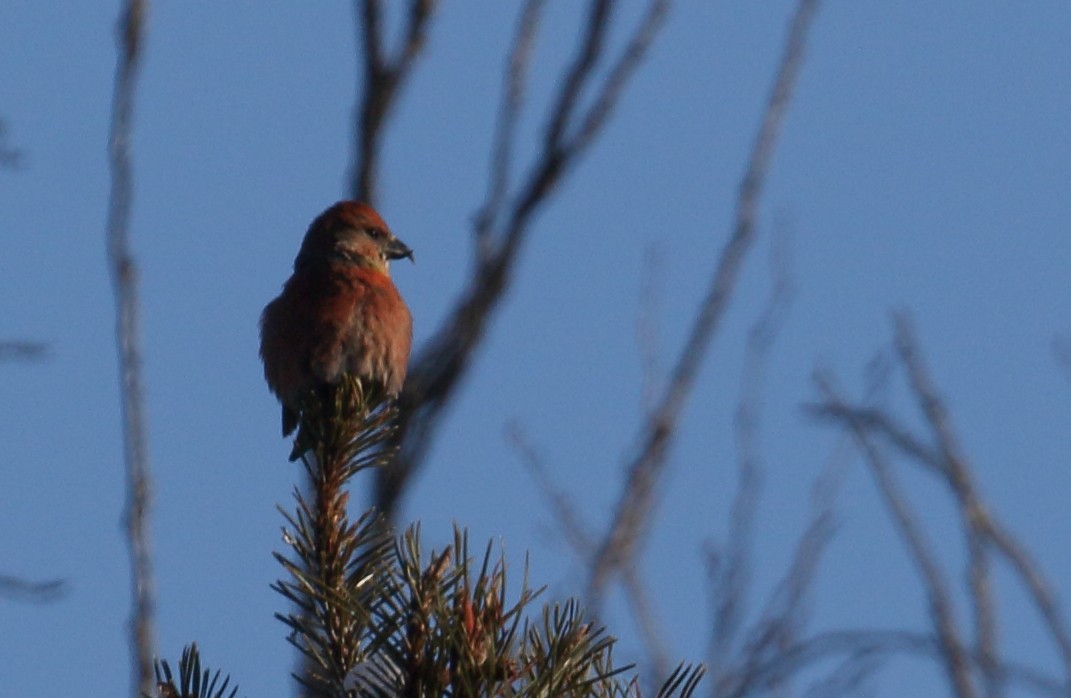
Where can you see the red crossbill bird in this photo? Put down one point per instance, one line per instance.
(339, 312)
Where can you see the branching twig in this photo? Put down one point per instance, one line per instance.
(513, 91)
(634, 506)
(981, 528)
(797, 656)
(504, 220)
(125, 282)
(907, 523)
(730, 580)
(879, 424)
(784, 615)
(983, 531)
(955, 471)
(383, 76)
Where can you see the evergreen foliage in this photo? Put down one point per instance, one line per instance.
(193, 681)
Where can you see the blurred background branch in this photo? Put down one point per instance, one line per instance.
(124, 272)
(985, 616)
(22, 350)
(19, 589)
(382, 77)
(10, 158)
(505, 218)
(634, 508)
(968, 662)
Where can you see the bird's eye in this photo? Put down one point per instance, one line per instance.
(375, 233)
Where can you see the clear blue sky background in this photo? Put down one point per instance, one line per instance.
(925, 165)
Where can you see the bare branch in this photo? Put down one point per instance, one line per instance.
(907, 524)
(501, 228)
(812, 650)
(1061, 351)
(848, 677)
(566, 514)
(599, 13)
(16, 350)
(621, 73)
(634, 506)
(559, 151)
(10, 158)
(878, 423)
(984, 533)
(956, 473)
(731, 581)
(1039, 589)
(647, 624)
(513, 91)
(36, 592)
(978, 524)
(582, 544)
(784, 615)
(124, 274)
(647, 327)
(382, 77)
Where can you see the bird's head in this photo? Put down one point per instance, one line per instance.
(350, 233)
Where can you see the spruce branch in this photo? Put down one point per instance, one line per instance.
(375, 615)
(332, 575)
(194, 682)
(449, 628)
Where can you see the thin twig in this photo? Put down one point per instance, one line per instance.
(783, 617)
(647, 327)
(513, 91)
(651, 631)
(560, 152)
(732, 582)
(577, 537)
(620, 73)
(633, 509)
(599, 14)
(566, 515)
(125, 282)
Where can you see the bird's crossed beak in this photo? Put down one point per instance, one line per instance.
(396, 249)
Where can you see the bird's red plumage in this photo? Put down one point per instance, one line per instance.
(338, 313)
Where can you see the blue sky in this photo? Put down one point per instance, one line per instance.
(924, 165)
